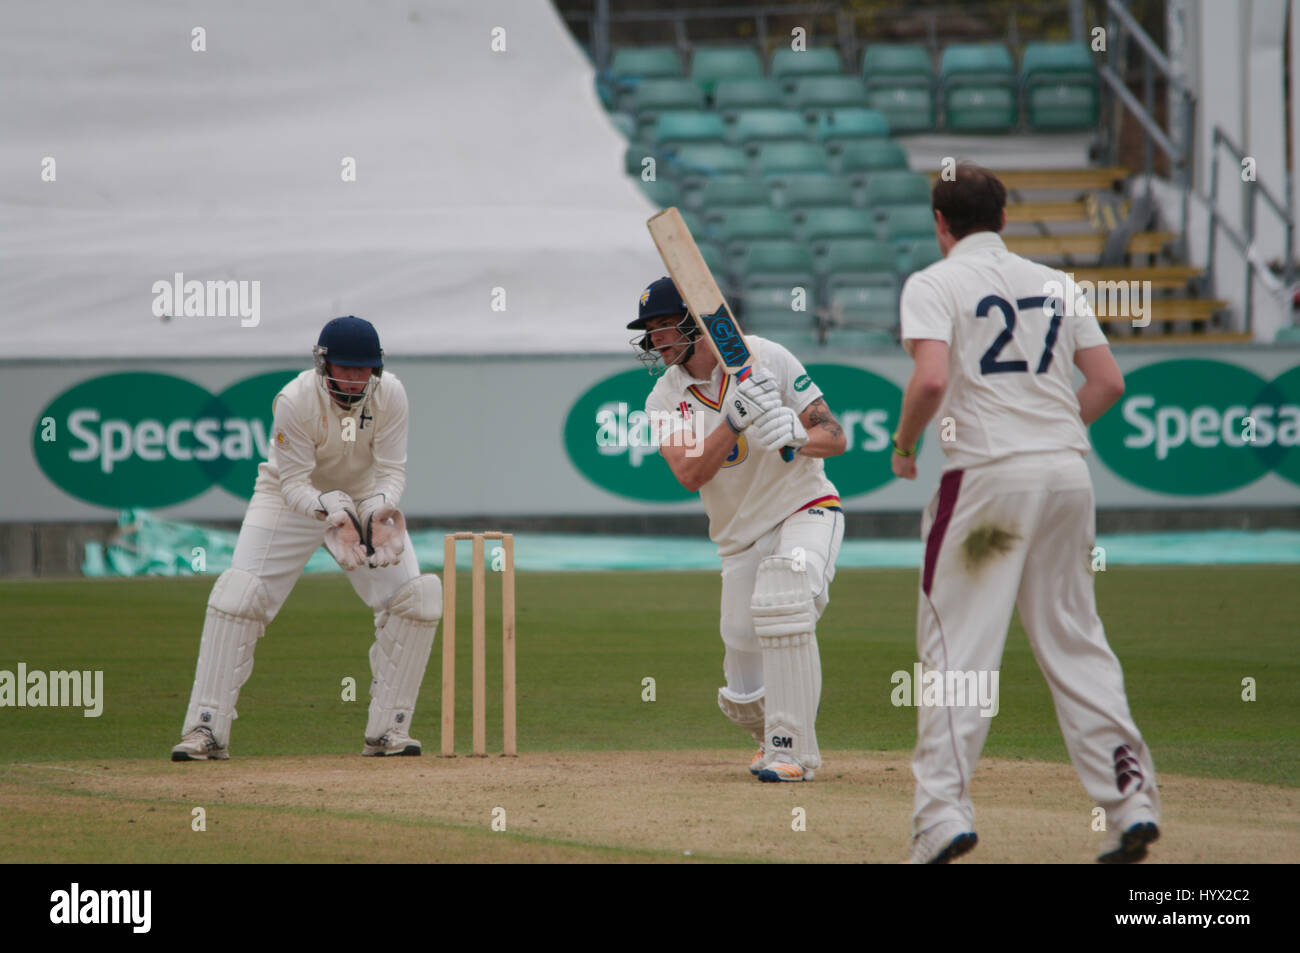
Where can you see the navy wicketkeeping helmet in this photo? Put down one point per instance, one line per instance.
(348, 342)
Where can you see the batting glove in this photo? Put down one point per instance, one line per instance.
(779, 428)
(750, 398)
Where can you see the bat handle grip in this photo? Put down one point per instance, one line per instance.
(787, 454)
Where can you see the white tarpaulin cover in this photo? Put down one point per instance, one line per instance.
(483, 178)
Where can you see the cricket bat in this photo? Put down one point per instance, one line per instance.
(703, 297)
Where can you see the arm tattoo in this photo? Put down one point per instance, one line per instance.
(821, 416)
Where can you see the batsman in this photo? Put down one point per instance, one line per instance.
(334, 475)
(752, 445)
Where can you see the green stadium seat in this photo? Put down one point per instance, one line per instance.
(918, 255)
(1057, 59)
(731, 191)
(780, 158)
(835, 126)
(753, 126)
(905, 108)
(654, 96)
(872, 305)
(773, 306)
(788, 65)
(743, 225)
(973, 108)
(731, 95)
(897, 188)
(858, 261)
(679, 126)
(871, 155)
(1288, 336)
(778, 261)
(696, 160)
(1060, 86)
(815, 94)
(812, 189)
(893, 64)
(709, 64)
(909, 223)
(824, 224)
(979, 88)
(662, 192)
(975, 61)
(645, 62)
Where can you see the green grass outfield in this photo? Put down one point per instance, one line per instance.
(1186, 636)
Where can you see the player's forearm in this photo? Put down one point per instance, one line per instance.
(697, 469)
(921, 402)
(301, 497)
(1095, 398)
(822, 443)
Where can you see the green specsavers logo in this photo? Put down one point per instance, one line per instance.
(1197, 427)
(146, 439)
(866, 405)
(611, 440)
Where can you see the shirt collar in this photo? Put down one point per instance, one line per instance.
(977, 242)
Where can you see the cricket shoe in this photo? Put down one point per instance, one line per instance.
(942, 843)
(756, 765)
(389, 744)
(1130, 846)
(199, 744)
(785, 771)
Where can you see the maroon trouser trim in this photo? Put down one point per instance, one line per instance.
(948, 489)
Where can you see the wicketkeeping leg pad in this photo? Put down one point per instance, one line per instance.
(237, 614)
(784, 618)
(403, 640)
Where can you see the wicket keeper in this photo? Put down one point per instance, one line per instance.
(335, 474)
(777, 524)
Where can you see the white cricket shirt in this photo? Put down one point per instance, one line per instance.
(309, 455)
(755, 490)
(1012, 326)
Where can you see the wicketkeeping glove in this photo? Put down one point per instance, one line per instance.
(385, 530)
(343, 537)
(752, 395)
(779, 428)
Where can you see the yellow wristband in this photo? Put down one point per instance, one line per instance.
(899, 450)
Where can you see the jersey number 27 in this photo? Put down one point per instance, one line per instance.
(989, 363)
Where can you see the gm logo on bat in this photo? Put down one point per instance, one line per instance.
(730, 344)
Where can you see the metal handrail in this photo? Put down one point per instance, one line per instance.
(1121, 26)
(1245, 244)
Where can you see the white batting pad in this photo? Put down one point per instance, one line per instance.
(238, 610)
(403, 641)
(783, 619)
(745, 711)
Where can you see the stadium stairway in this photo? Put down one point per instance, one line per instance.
(1064, 217)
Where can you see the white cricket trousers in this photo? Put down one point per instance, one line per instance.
(1020, 533)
